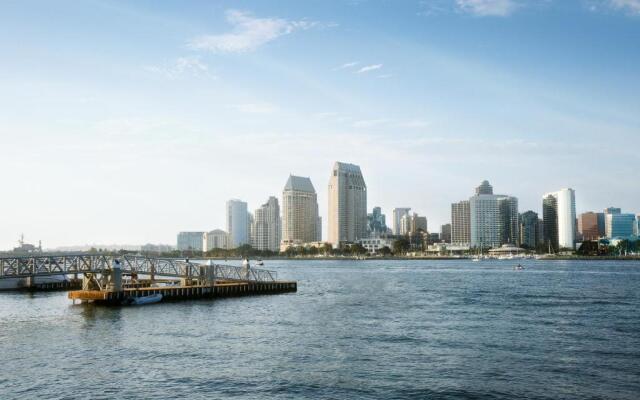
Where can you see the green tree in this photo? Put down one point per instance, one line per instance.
(401, 246)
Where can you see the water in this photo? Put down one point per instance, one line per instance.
(355, 329)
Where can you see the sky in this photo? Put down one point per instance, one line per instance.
(126, 122)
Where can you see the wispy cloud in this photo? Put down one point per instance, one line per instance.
(181, 67)
(248, 33)
(346, 65)
(369, 68)
(630, 6)
(255, 108)
(484, 8)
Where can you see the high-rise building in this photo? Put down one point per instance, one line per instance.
(601, 227)
(461, 223)
(376, 222)
(347, 204)
(238, 223)
(445, 233)
(619, 225)
(300, 220)
(612, 210)
(637, 226)
(559, 215)
(398, 213)
(412, 224)
(494, 219)
(588, 226)
(190, 241)
(529, 229)
(484, 188)
(266, 226)
(215, 239)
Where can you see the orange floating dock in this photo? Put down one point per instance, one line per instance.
(218, 290)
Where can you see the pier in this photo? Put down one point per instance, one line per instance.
(114, 279)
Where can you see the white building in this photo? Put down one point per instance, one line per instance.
(215, 239)
(300, 220)
(398, 213)
(190, 241)
(560, 218)
(238, 223)
(493, 218)
(374, 245)
(347, 204)
(266, 226)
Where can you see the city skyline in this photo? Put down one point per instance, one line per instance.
(118, 135)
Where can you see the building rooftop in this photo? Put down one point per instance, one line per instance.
(300, 184)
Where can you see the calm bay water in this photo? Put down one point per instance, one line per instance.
(355, 329)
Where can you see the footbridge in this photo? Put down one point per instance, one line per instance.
(78, 265)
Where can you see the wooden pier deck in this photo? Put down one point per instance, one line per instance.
(218, 290)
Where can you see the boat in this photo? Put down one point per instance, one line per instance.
(143, 300)
(518, 267)
(259, 263)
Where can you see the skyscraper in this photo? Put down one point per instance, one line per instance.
(347, 204)
(190, 241)
(529, 229)
(377, 222)
(461, 223)
(559, 215)
(588, 226)
(484, 188)
(266, 226)
(619, 225)
(494, 219)
(215, 239)
(398, 213)
(445, 233)
(412, 224)
(238, 223)
(300, 220)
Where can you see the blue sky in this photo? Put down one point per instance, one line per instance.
(125, 122)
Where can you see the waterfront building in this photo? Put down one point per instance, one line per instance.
(619, 225)
(375, 244)
(559, 216)
(398, 213)
(376, 223)
(266, 226)
(347, 204)
(433, 238)
(460, 223)
(300, 220)
(445, 233)
(238, 223)
(588, 226)
(215, 239)
(494, 218)
(190, 241)
(529, 229)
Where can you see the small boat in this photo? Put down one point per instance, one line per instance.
(143, 300)
(259, 263)
(518, 267)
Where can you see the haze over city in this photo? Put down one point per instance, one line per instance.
(128, 122)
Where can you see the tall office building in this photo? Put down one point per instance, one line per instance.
(412, 224)
(588, 226)
(300, 220)
(461, 223)
(559, 216)
(191, 241)
(376, 222)
(445, 233)
(398, 213)
(238, 223)
(265, 232)
(612, 210)
(347, 204)
(619, 225)
(494, 219)
(215, 239)
(529, 229)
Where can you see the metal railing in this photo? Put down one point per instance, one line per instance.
(72, 264)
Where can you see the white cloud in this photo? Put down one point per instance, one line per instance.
(255, 108)
(369, 68)
(248, 33)
(485, 8)
(631, 6)
(346, 65)
(182, 66)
